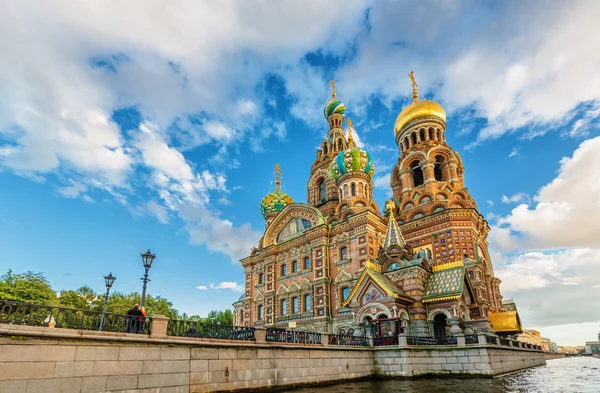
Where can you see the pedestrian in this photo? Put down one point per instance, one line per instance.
(142, 320)
(132, 318)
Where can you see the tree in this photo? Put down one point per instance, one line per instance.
(27, 287)
(120, 303)
(222, 317)
(83, 298)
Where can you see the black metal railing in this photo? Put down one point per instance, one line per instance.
(424, 340)
(292, 336)
(348, 339)
(182, 328)
(471, 339)
(383, 341)
(489, 339)
(27, 314)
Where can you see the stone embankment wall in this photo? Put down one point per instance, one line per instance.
(59, 360)
(554, 355)
(475, 360)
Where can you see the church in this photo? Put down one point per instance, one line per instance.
(337, 264)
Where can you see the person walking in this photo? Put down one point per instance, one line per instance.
(133, 316)
(142, 320)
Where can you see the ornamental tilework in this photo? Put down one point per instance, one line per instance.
(445, 284)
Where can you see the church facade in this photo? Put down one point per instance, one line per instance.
(336, 264)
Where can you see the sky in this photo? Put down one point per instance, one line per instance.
(156, 124)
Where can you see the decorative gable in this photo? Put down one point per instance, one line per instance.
(371, 294)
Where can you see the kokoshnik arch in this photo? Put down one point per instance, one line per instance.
(335, 264)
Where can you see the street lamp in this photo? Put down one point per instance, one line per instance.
(147, 259)
(108, 280)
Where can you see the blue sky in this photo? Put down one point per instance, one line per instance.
(161, 128)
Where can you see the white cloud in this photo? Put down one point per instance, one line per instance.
(514, 152)
(516, 198)
(382, 182)
(490, 203)
(581, 127)
(74, 190)
(567, 277)
(231, 285)
(159, 211)
(566, 211)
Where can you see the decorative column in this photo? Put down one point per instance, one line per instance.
(428, 173)
(454, 328)
(467, 331)
(158, 326)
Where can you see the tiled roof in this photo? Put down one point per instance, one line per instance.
(381, 280)
(446, 282)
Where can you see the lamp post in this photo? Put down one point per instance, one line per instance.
(108, 280)
(147, 259)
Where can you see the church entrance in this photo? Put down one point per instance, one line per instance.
(439, 325)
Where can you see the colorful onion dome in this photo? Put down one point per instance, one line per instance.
(352, 159)
(418, 109)
(274, 202)
(334, 106)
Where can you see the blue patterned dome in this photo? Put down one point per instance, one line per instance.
(353, 159)
(334, 106)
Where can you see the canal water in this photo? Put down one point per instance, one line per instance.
(577, 375)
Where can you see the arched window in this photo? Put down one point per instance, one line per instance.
(306, 302)
(414, 138)
(345, 191)
(284, 307)
(295, 305)
(353, 189)
(260, 312)
(284, 270)
(431, 135)
(295, 267)
(345, 293)
(261, 278)
(361, 190)
(343, 253)
(307, 263)
(437, 169)
(342, 331)
(322, 191)
(422, 134)
(417, 173)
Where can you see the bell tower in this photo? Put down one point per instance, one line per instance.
(433, 207)
(428, 170)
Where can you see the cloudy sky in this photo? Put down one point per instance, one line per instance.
(156, 124)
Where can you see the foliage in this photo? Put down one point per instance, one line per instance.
(34, 288)
(27, 287)
(83, 298)
(222, 317)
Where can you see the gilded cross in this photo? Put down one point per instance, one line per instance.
(333, 94)
(278, 172)
(389, 206)
(415, 87)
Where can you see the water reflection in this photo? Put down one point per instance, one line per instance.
(581, 375)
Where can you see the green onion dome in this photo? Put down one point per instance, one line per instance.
(274, 202)
(349, 160)
(334, 106)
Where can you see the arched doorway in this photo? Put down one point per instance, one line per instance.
(439, 325)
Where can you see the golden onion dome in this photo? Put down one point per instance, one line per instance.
(418, 109)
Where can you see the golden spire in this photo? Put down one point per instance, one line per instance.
(278, 172)
(333, 94)
(415, 87)
(389, 206)
(351, 142)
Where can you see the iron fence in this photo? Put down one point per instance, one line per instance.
(489, 339)
(424, 340)
(27, 314)
(292, 336)
(183, 328)
(471, 339)
(383, 341)
(348, 339)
